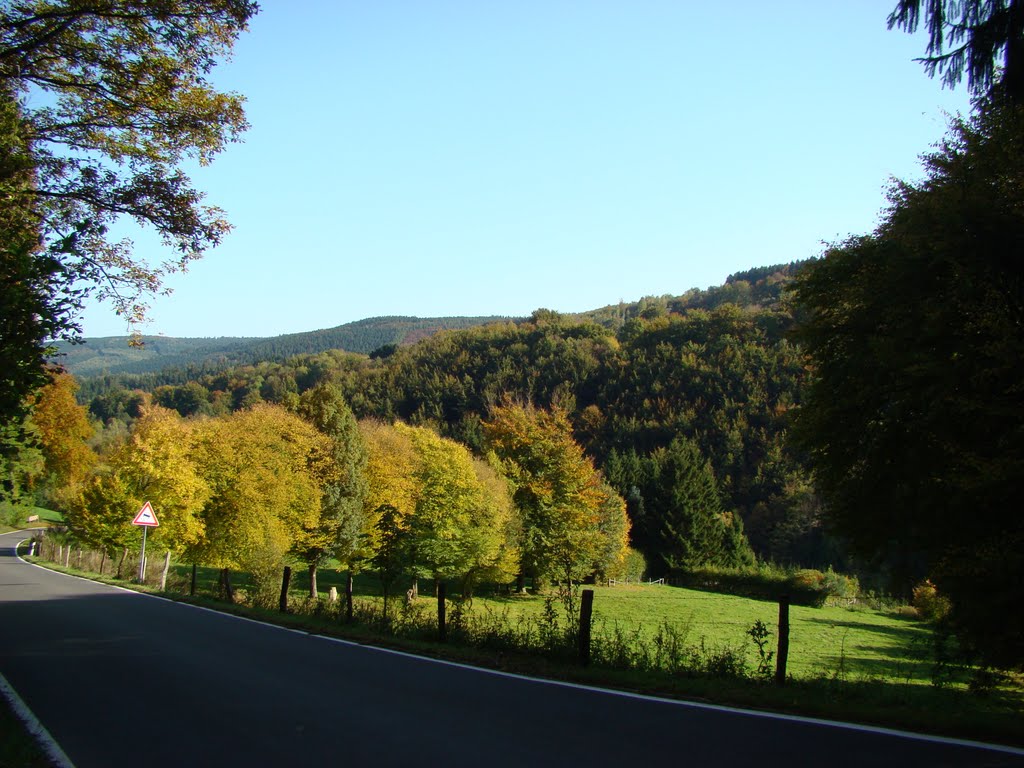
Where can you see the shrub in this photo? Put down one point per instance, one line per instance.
(840, 585)
(930, 605)
(808, 578)
(631, 567)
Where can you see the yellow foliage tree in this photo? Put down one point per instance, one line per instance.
(391, 467)
(558, 490)
(62, 428)
(157, 465)
(263, 467)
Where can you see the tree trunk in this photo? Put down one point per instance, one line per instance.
(103, 560)
(312, 580)
(521, 583)
(120, 565)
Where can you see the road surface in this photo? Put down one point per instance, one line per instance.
(122, 679)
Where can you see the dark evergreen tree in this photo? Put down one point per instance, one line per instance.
(342, 519)
(984, 38)
(686, 524)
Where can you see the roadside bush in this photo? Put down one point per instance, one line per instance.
(631, 568)
(806, 586)
(930, 605)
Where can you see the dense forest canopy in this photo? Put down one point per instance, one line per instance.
(713, 367)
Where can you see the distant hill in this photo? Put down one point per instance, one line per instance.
(759, 288)
(112, 354)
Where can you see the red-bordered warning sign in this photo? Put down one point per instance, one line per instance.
(146, 516)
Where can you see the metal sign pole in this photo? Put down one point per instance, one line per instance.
(142, 558)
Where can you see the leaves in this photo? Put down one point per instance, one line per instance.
(121, 101)
(914, 419)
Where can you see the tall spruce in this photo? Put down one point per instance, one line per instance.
(342, 522)
(687, 526)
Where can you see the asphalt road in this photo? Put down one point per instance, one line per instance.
(121, 679)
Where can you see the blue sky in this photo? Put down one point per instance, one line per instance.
(491, 158)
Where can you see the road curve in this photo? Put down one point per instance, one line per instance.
(122, 679)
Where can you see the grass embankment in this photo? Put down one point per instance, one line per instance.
(847, 663)
(17, 518)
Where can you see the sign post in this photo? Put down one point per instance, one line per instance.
(146, 517)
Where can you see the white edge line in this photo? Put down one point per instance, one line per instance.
(48, 744)
(859, 727)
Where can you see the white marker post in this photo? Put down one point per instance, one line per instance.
(147, 519)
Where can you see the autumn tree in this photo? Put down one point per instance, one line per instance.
(264, 467)
(556, 487)
(62, 429)
(155, 464)
(391, 468)
(101, 515)
(494, 538)
(614, 524)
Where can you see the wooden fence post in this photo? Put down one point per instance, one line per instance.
(348, 598)
(163, 575)
(225, 580)
(285, 582)
(442, 626)
(586, 613)
(782, 655)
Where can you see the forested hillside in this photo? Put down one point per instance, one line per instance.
(710, 374)
(114, 355)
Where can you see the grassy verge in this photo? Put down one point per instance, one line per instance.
(18, 748)
(858, 665)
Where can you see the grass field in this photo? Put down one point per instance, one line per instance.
(853, 643)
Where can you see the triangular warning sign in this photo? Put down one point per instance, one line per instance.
(146, 516)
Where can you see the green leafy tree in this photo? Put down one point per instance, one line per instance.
(120, 101)
(124, 101)
(979, 37)
(391, 556)
(102, 515)
(21, 462)
(463, 517)
(32, 309)
(340, 526)
(914, 422)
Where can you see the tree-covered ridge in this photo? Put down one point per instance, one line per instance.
(113, 355)
(757, 288)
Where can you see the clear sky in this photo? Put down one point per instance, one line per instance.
(477, 157)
